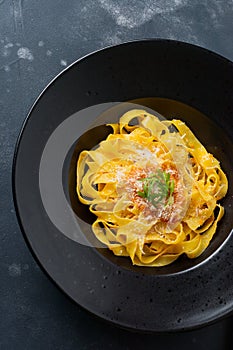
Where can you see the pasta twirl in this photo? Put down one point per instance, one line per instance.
(154, 189)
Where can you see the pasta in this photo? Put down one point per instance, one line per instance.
(153, 188)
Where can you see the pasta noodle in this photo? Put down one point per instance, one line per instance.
(154, 189)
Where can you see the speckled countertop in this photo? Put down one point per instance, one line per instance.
(38, 39)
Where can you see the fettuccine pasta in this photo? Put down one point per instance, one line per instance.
(153, 188)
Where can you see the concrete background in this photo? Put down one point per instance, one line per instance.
(38, 39)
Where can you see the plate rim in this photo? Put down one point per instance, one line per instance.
(99, 316)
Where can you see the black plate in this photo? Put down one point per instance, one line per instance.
(176, 79)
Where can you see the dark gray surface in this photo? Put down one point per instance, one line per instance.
(37, 40)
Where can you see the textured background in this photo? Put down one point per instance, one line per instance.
(37, 40)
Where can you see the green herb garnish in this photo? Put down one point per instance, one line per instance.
(158, 188)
